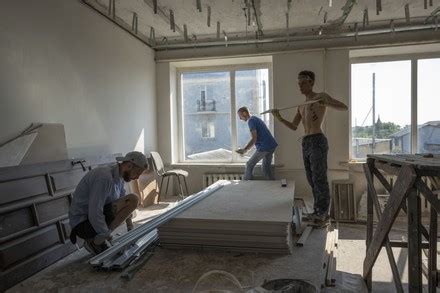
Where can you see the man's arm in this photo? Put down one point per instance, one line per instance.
(328, 101)
(250, 143)
(98, 193)
(292, 125)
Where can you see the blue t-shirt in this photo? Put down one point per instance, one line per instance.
(265, 141)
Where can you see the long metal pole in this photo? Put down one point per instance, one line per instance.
(140, 231)
(374, 113)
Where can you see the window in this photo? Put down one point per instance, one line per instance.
(383, 120)
(210, 130)
(428, 106)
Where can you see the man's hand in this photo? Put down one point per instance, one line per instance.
(241, 151)
(276, 114)
(100, 239)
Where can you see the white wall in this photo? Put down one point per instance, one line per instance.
(332, 75)
(61, 62)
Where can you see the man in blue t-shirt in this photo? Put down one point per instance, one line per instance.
(263, 141)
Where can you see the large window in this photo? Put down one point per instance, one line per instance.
(388, 115)
(209, 99)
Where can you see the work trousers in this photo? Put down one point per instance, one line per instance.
(266, 156)
(315, 150)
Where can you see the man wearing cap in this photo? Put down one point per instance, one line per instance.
(314, 143)
(99, 204)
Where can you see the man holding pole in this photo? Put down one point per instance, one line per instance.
(314, 144)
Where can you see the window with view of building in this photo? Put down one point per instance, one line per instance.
(210, 129)
(382, 116)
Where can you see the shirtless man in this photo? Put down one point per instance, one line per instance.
(314, 143)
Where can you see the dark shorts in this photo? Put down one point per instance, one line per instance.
(85, 230)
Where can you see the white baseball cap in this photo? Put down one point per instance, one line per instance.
(136, 158)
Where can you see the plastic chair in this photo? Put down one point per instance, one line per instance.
(160, 170)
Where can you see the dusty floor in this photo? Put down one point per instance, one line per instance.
(178, 271)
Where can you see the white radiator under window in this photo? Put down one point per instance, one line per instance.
(209, 179)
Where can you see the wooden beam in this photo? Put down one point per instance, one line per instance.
(403, 244)
(396, 276)
(432, 256)
(370, 218)
(429, 195)
(404, 182)
(415, 283)
(404, 208)
(392, 170)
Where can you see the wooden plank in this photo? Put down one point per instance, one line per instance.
(404, 244)
(306, 233)
(418, 162)
(404, 208)
(404, 182)
(432, 256)
(392, 170)
(415, 283)
(369, 237)
(391, 259)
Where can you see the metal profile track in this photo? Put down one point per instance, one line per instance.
(135, 234)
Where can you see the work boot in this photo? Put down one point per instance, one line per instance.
(94, 248)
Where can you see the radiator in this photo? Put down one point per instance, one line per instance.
(209, 179)
(343, 207)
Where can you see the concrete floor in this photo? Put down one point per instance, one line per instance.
(178, 271)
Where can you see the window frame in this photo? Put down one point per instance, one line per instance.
(413, 58)
(223, 68)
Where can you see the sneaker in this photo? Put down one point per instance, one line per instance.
(93, 248)
(321, 220)
(309, 217)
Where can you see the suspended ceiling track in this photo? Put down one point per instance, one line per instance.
(318, 33)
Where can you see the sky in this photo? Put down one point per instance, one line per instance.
(393, 91)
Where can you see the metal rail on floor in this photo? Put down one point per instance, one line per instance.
(134, 235)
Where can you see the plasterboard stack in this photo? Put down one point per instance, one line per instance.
(244, 216)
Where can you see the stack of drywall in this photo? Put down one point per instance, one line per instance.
(248, 216)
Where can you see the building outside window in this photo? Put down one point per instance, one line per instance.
(388, 116)
(210, 130)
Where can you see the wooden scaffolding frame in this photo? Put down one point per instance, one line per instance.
(412, 171)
